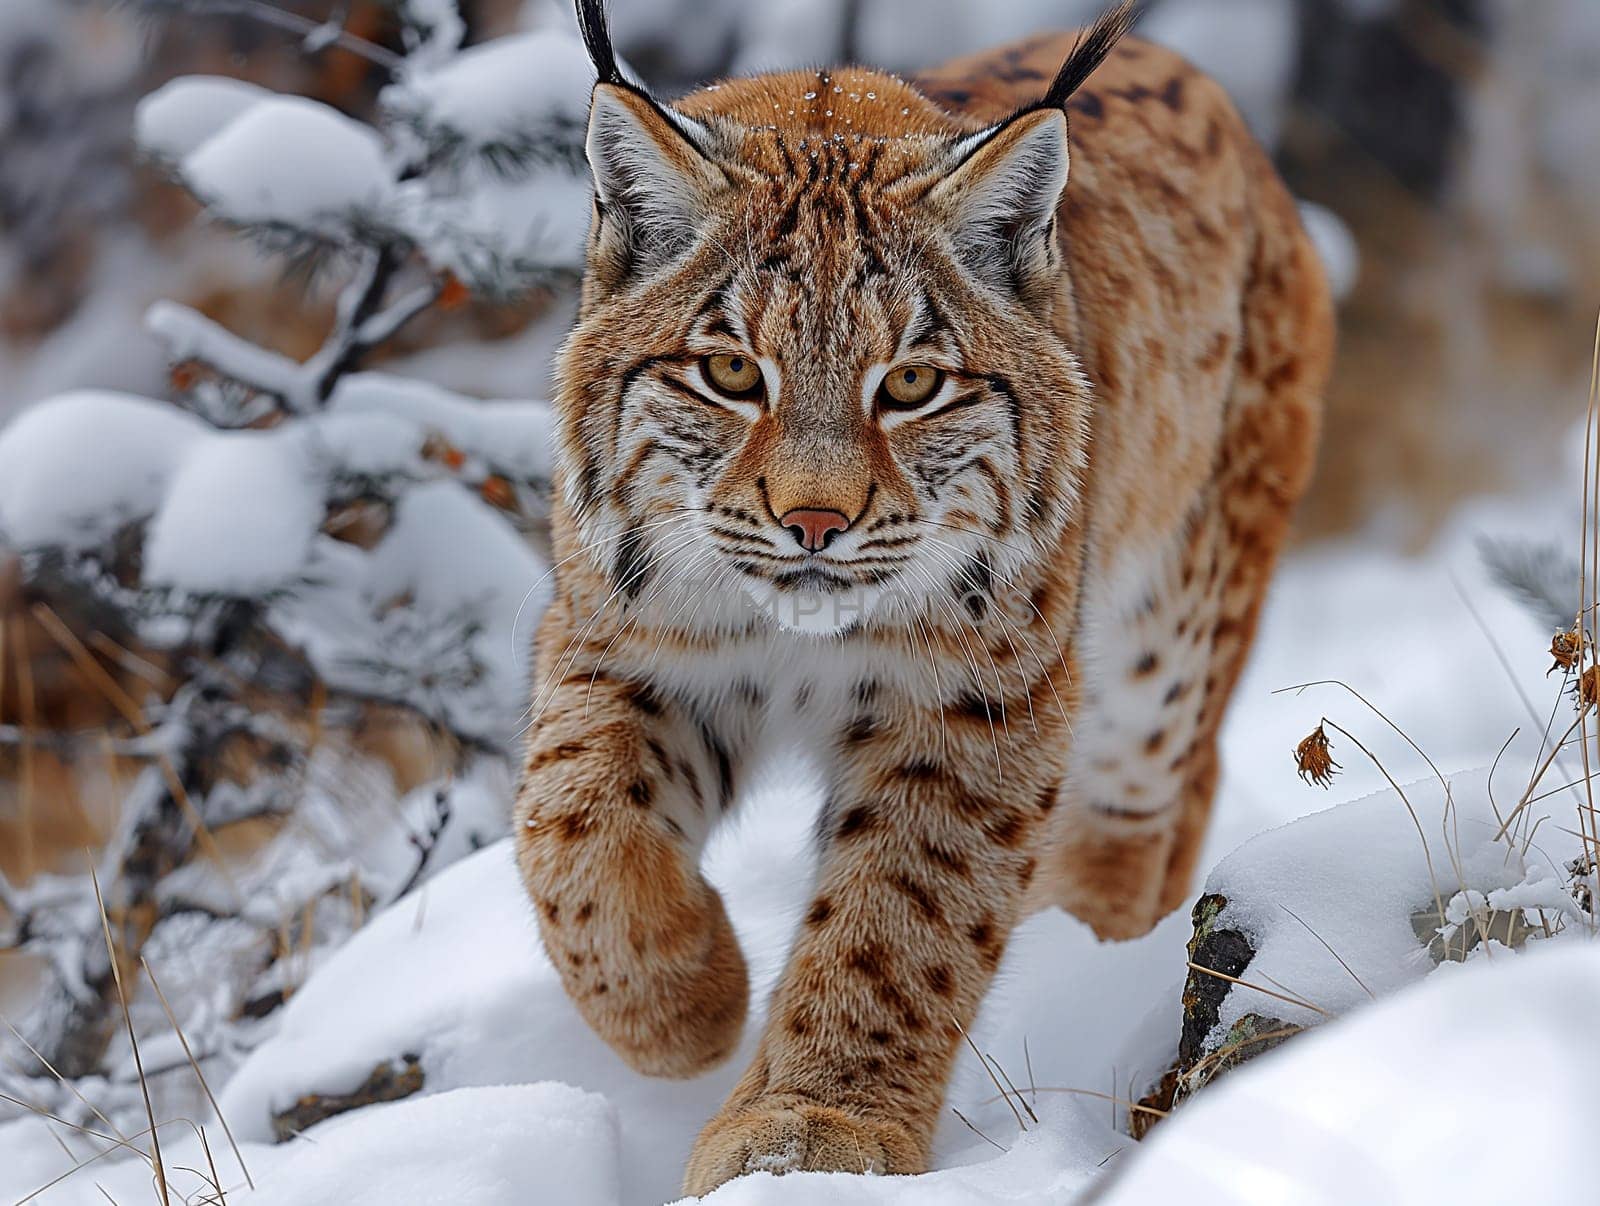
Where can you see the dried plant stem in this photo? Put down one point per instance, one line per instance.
(27, 713)
(1380, 714)
(172, 1018)
(1350, 970)
(1427, 853)
(1010, 1085)
(133, 1040)
(1288, 998)
(70, 1085)
(1222, 1053)
(114, 1145)
(1589, 583)
(130, 710)
(975, 1130)
(1021, 1125)
(1538, 776)
(1111, 1097)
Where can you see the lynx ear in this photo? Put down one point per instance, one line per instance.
(653, 179)
(1000, 200)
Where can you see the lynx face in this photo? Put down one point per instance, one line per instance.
(818, 371)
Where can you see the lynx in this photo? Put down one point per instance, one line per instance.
(947, 430)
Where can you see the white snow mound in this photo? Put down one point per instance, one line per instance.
(291, 162)
(1475, 1087)
(502, 1146)
(178, 117)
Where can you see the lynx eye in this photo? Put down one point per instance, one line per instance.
(909, 385)
(735, 376)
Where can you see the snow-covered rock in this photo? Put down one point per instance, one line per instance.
(1345, 883)
(1474, 1087)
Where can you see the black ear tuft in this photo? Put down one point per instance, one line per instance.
(597, 37)
(1089, 52)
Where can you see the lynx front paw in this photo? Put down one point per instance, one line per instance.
(678, 1009)
(794, 1135)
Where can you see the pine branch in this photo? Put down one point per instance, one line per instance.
(190, 335)
(361, 324)
(1544, 578)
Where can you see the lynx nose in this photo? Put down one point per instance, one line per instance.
(814, 529)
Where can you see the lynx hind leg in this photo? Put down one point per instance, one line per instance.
(1263, 468)
(1148, 652)
(1163, 656)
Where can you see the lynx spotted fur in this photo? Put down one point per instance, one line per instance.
(946, 430)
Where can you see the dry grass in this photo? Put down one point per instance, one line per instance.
(113, 1140)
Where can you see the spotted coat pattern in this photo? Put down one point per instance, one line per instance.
(1087, 521)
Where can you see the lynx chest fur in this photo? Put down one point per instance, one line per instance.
(946, 430)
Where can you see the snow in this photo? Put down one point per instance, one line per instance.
(500, 230)
(539, 1142)
(1473, 1087)
(455, 973)
(177, 118)
(443, 549)
(230, 512)
(439, 29)
(1045, 1167)
(503, 123)
(502, 92)
(237, 520)
(454, 650)
(524, 1141)
(118, 451)
(240, 513)
(292, 162)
